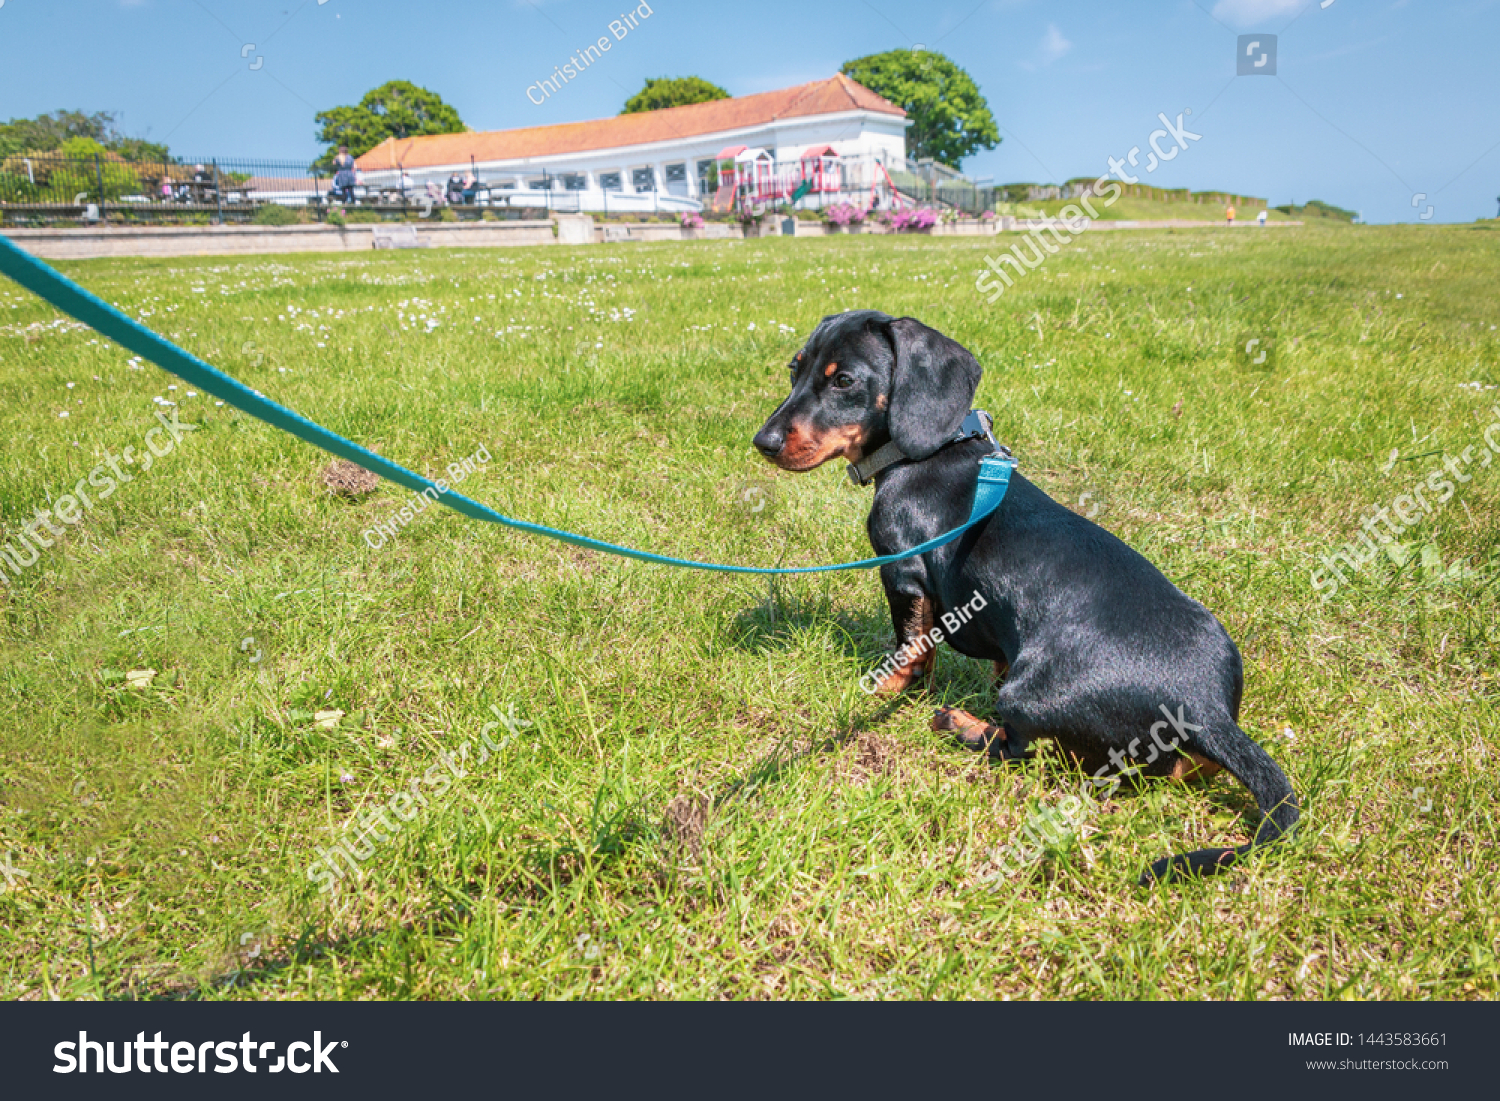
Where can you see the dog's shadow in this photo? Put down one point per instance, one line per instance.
(782, 620)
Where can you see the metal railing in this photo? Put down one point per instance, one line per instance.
(861, 181)
(47, 187)
(107, 180)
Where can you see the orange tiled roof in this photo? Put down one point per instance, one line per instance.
(821, 97)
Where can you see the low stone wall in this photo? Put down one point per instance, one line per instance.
(569, 229)
(99, 242)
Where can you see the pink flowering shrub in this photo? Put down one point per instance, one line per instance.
(922, 218)
(691, 221)
(845, 214)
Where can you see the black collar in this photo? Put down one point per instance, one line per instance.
(977, 425)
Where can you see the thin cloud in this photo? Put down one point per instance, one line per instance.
(1054, 45)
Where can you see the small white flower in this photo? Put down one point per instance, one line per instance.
(64, 413)
(70, 385)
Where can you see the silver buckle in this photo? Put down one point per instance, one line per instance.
(978, 425)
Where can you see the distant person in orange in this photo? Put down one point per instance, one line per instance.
(1230, 215)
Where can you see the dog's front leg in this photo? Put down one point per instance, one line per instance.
(1000, 740)
(915, 657)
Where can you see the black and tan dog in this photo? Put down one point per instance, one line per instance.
(1092, 644)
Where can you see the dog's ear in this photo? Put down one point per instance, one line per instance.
(932, 387)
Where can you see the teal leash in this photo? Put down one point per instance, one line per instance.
(67, 296)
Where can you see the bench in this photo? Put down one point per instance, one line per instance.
(399, 236)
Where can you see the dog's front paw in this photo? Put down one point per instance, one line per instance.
(971, 731)
(900, 679)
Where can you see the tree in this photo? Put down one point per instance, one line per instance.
(140, 150)
(950, 119)
(397, 109)
(669, 91)
(48, 133)
(45, 133)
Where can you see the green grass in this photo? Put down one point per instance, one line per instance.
(706, 804)
(1126, 209)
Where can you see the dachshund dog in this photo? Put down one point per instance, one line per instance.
(1092, 645)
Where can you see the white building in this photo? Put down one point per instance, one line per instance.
(659, 160)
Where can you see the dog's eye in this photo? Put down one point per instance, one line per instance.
(842, 381)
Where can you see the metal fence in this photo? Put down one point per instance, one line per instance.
(959, 195)
(47, 188)
(47, 184)
(858, 180)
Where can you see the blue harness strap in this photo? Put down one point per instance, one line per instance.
(67, 296)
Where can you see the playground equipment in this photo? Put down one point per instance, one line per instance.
(751, 178)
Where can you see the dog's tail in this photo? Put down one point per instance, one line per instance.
(1253, 767)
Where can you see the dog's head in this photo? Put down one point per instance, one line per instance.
(865, 378)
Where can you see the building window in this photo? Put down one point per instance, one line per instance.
(708, 177)
(575, 181)
(642, 179)
(676, 173)
(543, 184)
(609, 181)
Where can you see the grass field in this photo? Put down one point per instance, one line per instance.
(1145, 210)
(705, 804)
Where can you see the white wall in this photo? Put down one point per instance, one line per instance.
(854, 133)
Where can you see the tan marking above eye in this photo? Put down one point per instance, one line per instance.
(830, 369)
(882, 401)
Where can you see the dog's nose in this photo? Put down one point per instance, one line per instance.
(769, 441)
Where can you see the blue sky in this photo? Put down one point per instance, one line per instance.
(1373, 102)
